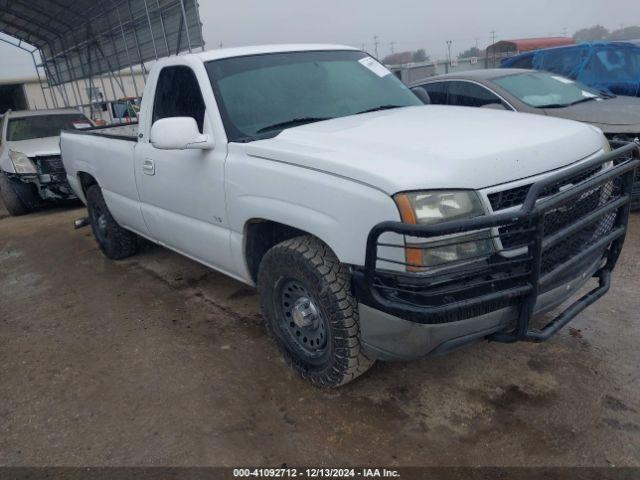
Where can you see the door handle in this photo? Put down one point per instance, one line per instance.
(148, 167)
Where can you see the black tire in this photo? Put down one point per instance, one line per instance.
(15, 206)
(114, 241)
(306, 269)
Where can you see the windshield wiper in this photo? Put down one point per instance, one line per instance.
(582, 100)
(380, 108)
(293, 123)
(565, 105)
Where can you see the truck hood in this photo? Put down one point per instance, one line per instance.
(433, 147)
(37, 146)
(615, 115)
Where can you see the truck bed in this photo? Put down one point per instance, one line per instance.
(118, 132)
(107, 155)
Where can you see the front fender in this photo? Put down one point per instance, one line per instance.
(339, 211)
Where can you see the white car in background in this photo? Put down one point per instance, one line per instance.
(31, 170)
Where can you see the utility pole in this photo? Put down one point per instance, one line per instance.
(393, 47)
(375, 43)
(449, 42)
(493, 42)
(220, 45)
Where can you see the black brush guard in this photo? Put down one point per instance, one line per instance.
(561, 231)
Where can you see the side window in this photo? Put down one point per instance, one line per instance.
(467, 94)
(437, 92)
(178, 95)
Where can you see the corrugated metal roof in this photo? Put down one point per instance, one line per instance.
(83, 38)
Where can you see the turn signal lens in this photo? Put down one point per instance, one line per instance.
(432, 207)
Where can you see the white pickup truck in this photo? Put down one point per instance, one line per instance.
(374, 227)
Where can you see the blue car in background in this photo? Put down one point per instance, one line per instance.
(612, 67)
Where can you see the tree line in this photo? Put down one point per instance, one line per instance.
(598, 32)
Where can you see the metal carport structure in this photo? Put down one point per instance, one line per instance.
(90, 42)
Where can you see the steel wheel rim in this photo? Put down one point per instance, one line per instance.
(301, 321)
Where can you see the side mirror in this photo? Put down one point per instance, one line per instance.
(495, 106)
(179, 133)
(422, 94)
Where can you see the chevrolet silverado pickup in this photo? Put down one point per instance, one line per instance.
(373, 226)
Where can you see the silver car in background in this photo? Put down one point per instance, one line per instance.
(540, 93)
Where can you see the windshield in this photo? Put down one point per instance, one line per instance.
(261, 95)
(41, 126)
(545, 90)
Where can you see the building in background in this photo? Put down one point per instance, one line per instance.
(508, 48)
(81, 50)
(411, 72)
(27, 94)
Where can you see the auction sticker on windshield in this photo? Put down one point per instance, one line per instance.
(375, 67)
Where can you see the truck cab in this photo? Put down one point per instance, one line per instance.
(374, 227)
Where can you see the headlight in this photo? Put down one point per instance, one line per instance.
(429, 208)
(21, 162)
(606, 148)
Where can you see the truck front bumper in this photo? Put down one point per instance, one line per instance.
(566, 233)
(390, 338)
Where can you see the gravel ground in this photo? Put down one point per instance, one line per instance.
(159, 361)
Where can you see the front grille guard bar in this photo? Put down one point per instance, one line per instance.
(532, 211)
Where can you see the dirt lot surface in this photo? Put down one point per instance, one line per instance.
(158, 361)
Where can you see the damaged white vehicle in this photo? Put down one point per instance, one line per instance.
(31, 170)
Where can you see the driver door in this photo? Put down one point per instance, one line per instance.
(182, 191)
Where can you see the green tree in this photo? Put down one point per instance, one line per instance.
(626, 33)
(420, 56)
(471, 52)
(597, 32)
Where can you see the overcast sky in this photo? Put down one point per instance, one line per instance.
(411, 24)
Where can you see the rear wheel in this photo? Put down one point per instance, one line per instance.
(310, 312)
(15, 206)
(114, 241)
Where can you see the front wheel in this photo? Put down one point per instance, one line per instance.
(310, 312)
(14, 204)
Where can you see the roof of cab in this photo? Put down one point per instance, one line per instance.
(266, 49)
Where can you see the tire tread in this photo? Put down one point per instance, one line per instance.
(13, 203)
(336, 281)
(122, 243)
